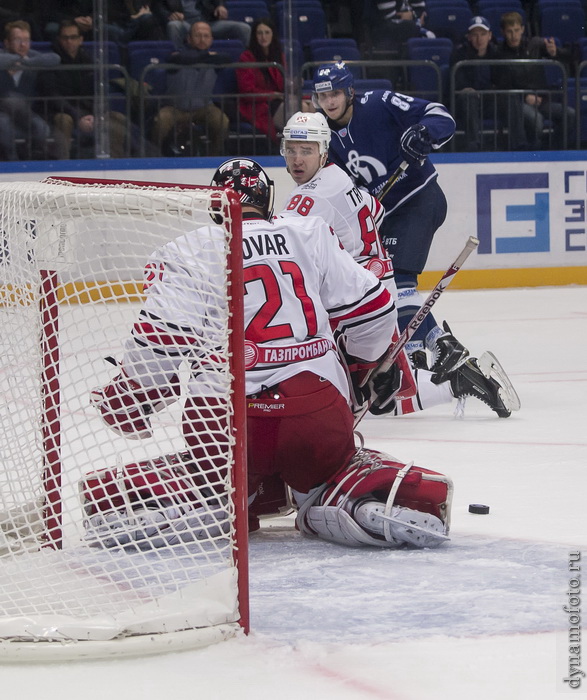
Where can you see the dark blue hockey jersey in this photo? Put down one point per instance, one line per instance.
(368, 147)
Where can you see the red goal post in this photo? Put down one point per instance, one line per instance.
(72, 256)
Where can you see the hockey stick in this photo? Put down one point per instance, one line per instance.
(393, 179)
(418, 318)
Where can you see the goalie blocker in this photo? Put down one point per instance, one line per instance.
(374, 501)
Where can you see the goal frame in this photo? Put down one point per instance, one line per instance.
(51, 440)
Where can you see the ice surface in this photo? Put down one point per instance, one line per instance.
(478, 618)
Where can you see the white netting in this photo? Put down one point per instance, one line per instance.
(161, 556)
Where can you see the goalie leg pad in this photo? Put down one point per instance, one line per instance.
(415, 487)
(153, 527)
(402, 526)
(334, 524)
(360, 522)
(379, 501)
(152, 503)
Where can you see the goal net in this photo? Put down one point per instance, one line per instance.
(111, 545)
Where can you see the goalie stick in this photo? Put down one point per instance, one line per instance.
(393, 179)
(391, 355)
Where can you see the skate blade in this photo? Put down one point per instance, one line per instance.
(491, 367)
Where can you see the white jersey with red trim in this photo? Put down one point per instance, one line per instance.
(297, 280)
(353, 214)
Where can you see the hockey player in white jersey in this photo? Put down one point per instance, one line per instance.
(324, 189)
(297, 280)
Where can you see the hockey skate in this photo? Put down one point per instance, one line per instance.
(485, 379)
(449, 355)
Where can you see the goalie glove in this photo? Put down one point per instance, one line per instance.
(416, 144)
(125, 406)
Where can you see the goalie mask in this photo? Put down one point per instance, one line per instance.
(333, 76)
(249, 181)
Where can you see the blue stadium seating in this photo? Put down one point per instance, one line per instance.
(232, 47)
(451, 22)
(424, 79)
(364, 85)
(567, 23)
(247, 10)
(307, 23)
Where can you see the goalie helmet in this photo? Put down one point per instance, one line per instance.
(333, 76)
(307, 126)
(249, 181)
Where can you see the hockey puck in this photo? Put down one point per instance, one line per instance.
(478, 508)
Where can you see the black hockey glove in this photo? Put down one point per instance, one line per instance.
(416, 144)
(385, 386)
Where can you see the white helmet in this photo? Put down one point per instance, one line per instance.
(307, 126)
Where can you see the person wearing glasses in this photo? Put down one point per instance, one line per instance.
(19, 120)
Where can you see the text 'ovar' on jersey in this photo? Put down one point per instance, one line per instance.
(264, 245)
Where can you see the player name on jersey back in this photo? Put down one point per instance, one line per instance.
(264, 245)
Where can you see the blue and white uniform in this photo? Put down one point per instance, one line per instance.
(368, 148)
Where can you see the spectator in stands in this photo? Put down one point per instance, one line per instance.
(50, 13)
(535, 104)
(391, 24)
(18, 90)
(72, 101)
(132, 20)
(10, 12)
(401, 10)
(190, 93)
(471, 81)
(179, 16)
(266, 113)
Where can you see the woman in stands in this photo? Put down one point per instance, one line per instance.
(265, 112)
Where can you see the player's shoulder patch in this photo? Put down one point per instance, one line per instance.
(374, 96)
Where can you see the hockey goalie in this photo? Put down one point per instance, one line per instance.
(305, 298)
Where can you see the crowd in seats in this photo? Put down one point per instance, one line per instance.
(146, 100)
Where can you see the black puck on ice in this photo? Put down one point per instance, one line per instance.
(478, 508)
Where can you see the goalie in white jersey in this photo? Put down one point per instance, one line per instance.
(324, 189)
(298, 281)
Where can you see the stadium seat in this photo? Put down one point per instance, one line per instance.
(454, 3)
(511, 5)
(112, 50)
(140, 58)
(247, 10)
(242, 134)
(149, 44)
(340, 41)
(561, 4)
(451, 22)
(308, 23)
(41, 46)
(299, 4)
(424, 80)
(566, 23)
(364, 85)
(335, 50)
(232, 47)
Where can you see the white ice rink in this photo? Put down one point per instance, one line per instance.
(480, 618)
